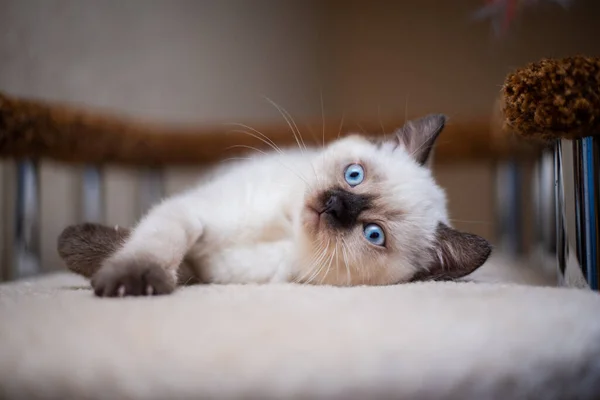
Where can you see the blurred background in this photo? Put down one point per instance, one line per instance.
(213, 61)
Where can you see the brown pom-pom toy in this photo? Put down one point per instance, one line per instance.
(553, 99)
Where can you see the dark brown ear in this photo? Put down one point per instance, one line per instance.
(84, 247)
(455, 254)
(418, 136)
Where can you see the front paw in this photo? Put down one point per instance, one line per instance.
(132, 278)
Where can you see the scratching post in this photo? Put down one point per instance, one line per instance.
(557, 102)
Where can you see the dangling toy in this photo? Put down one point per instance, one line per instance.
(503, 12)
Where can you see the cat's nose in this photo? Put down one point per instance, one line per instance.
(335, 207)
(342, 208)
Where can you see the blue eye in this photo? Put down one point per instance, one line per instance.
(374, 234)
(354, 174)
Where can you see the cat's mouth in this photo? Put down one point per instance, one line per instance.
(312, 216)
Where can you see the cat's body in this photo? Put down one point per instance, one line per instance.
(354, 212)
(250, 236)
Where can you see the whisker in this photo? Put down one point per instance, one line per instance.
(234, 159)
(380, 122)
(315, 260)
(341, 125)
(264, 137)
(345, 257)
(328, 266)
(264, 153)
(272, 146)
(406, 107)
(323, 117)
(361, 128)
(289, 120)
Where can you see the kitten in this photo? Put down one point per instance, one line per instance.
(357, 212)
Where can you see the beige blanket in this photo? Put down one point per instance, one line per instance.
(426, 341)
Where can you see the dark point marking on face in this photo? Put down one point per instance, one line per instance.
(342, 208)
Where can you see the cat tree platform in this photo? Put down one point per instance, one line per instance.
(414, 341)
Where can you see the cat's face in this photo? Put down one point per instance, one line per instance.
(373, 214)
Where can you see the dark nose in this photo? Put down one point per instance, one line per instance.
(342, 208)
(336, 207)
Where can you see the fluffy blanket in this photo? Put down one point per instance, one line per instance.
(425, 341)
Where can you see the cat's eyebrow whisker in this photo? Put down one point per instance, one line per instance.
(323, 117)
(380, 122)
(258, 135)
(341, 125)
(289, 120)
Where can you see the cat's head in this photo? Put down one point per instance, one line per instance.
(373, 214)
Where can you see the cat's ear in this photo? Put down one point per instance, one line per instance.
(454, 254)
(418, 136)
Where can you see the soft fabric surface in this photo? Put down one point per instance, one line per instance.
(428, 340)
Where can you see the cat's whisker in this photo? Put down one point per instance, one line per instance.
(380, 122)
(328, 268)
(291, 123)
(418, 149)
(293, 127)
(341, 125)
(361, 128)
(315, 139)
(258, 135)
(323, 117)
(406, 108)
(322, 262)
(318, 265)
(345, 257)
(265, 153)
(319, 254)
(266, 141)
(463, 221)
(234, 159)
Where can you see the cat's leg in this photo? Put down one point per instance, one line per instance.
(148, 261)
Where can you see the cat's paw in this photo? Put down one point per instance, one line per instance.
(132, 278)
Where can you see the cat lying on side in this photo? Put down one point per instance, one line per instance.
(358, 211)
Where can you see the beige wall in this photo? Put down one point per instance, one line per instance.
(191, 61)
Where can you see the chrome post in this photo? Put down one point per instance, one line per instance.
(586, 156)
(544, 203)
(92, 194)
(508, 207)
(562, 245)
(26, 251)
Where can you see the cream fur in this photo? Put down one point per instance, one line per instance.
(285, 341)
(251, 222)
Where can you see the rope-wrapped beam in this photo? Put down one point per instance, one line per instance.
(36, 129)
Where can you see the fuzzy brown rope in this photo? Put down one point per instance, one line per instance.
(554, 98)
(36, 129)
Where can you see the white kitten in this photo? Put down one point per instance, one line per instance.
(356, 212)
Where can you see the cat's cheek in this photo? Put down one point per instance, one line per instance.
(311, 220)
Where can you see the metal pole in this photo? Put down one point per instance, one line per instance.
(586, 157)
